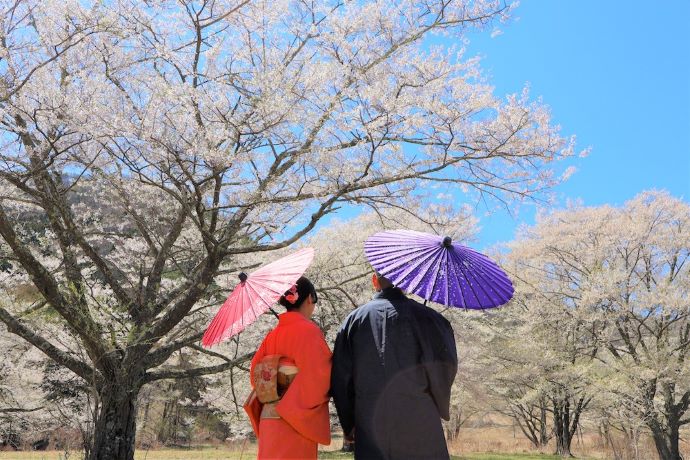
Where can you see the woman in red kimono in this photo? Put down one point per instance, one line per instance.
(295, 360)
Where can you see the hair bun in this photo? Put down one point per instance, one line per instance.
(291, 295)
(294, 297)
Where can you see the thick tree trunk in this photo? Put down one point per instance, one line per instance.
(666, 441)
(115, 425)
(563, 447)
(566, 419)
(665, 425)
(561, 420)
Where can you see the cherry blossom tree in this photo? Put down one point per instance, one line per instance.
(620, 276)
(150, 149)
(537, 374)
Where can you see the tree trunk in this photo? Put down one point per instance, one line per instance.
(665, 425)
(563, 447)
(561, 420)
(543, 430)
(666, 441)
(115, 425)
(163, 424)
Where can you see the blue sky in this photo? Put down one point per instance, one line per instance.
(617, 75)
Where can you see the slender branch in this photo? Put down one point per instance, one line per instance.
(160, 355)
(10, 410)
(197, 372)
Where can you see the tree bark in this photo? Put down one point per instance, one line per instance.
(665, 425)
(666, 440)
(561, 420)
(115, 424)
(543, 433)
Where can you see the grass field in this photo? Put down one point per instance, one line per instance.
(206, 455)
(212, 454)
(485, 443)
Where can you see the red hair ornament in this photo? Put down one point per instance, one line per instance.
(293, 295)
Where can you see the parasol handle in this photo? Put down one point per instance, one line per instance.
(274, 312)
(447, 242)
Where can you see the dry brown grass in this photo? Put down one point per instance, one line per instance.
(221, 453)
(505, 439)
(140, 455)
(491, 439)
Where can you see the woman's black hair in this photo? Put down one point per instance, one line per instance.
(304, 288)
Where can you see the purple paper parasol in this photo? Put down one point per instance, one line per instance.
(437, 270)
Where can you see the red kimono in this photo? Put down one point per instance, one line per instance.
(303, 410)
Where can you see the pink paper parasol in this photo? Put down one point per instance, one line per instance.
(255, 294)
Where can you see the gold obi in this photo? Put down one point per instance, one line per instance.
(286, 375)
(272, 378)
(269, 411)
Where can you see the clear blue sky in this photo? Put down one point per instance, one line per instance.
(617, 75)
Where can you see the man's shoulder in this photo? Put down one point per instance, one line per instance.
(423, 312)
(366, 309)
(373, 307)
(405, 306)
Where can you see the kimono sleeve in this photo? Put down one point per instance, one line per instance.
(305, 405)
(252, 406)
(342, 381)
(440, 360)
(258, 356)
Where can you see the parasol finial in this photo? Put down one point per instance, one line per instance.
(447, 242)
(242, 276)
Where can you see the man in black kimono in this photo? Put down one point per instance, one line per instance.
(394, 362)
